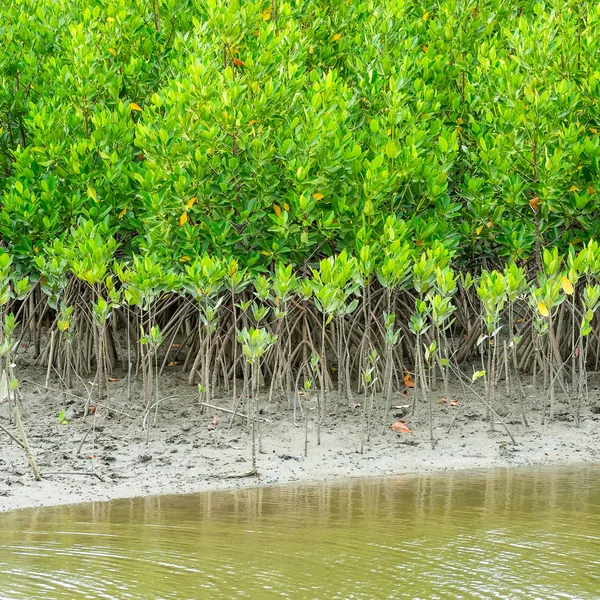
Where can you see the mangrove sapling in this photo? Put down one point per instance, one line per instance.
(328, 298)
(591, 303)
(430, 352)
(441, 308)
(91, 250)
(491, 292)
(419, 326)
(391, 339)
(369, 381)
(255, 342)
(393, 275)
(237, 279)
(546, 299)
(515, 284)
(365, 262)
(205, 278)
(284, 286)
(423, 279)
(152, 342)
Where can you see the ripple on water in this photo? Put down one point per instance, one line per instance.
(523, 534)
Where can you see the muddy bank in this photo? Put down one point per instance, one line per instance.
(187, 453)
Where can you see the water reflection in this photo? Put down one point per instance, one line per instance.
(532, 533)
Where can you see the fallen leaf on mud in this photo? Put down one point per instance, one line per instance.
(172, 363)
(214, 423)
(450, 402)
(401, 406)
(175, 345)
(400, 427)
(408, 382)
(356, 405)
(112, 379)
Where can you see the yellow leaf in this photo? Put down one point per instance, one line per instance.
(567, 286)
(252, 122)
(185, 258)
(123, 213)
(543, 309)
(479, 230)
(573, 188)
(311, 50)
(265, 253)
(425, 16)
(591, 190)
(336, 37)
(91, 192)
(489, 224)
(318, 196)
(36, 249)
(389, 132)
(286, 206)
(266, 14)
(134, 106)
(594, 131)
(112, 51)
(191, 202)
(459, 121)
(110, 19)
(183, 219)
(277, 210)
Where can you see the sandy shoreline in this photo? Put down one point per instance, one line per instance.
(184, 456)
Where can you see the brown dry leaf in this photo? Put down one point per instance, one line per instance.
(399, 426)
(238, 63)
(408, 382)
(534, 203)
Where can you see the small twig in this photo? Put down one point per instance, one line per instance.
(231, 412)
(12, 437)
(240, 475)
(26, 446)
(90, 473)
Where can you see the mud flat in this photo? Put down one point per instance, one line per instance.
(185, 453)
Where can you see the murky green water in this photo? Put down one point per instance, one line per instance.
(518, 534)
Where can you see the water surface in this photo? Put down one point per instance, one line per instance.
(532, 533)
